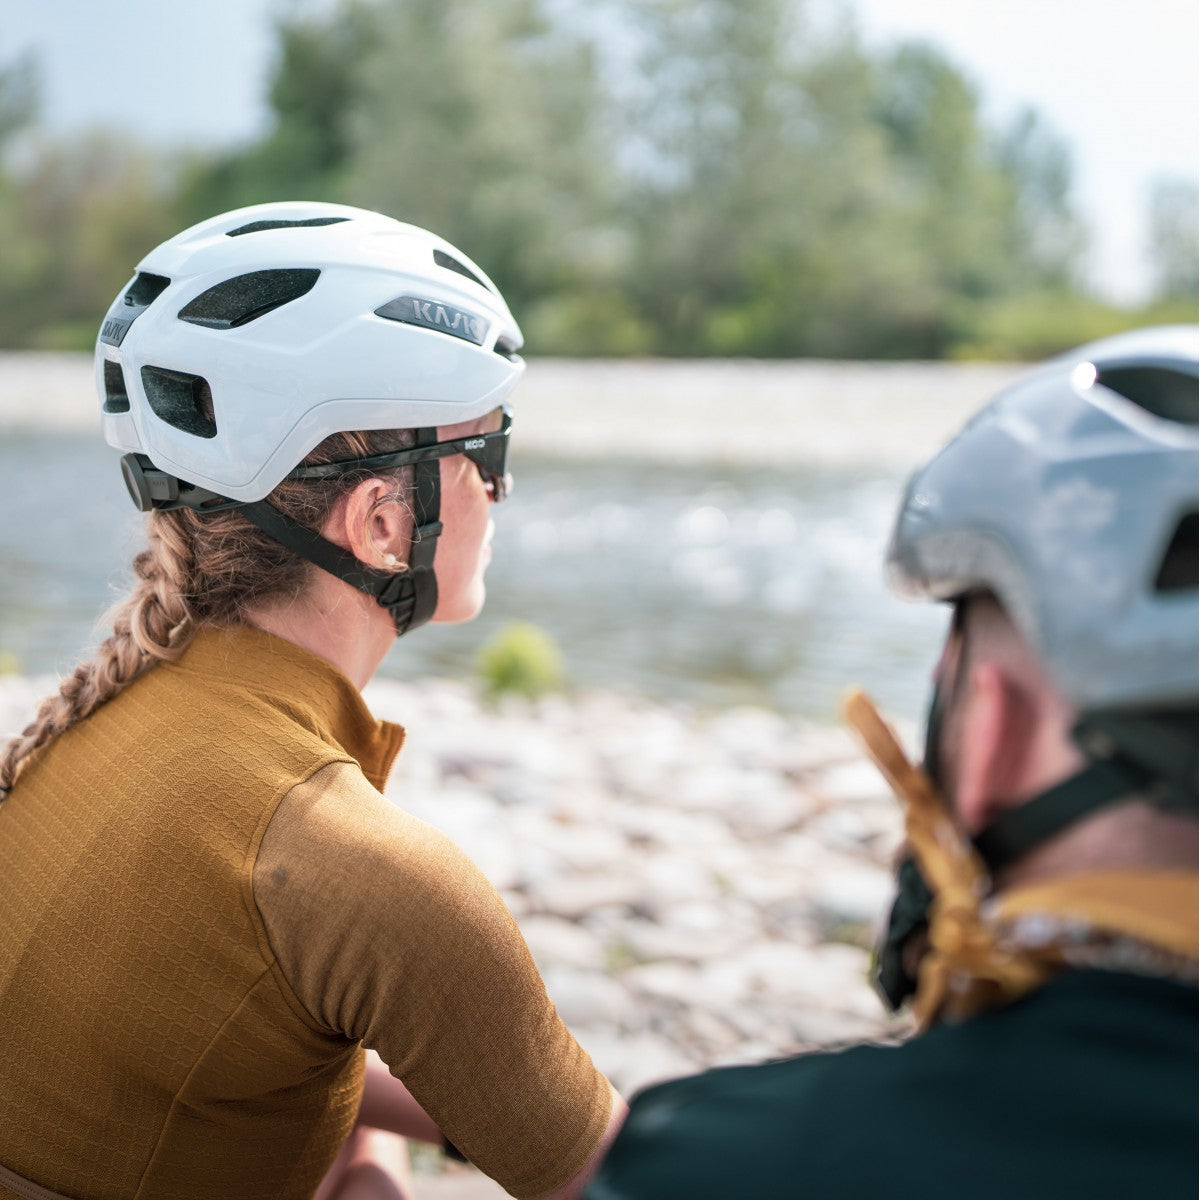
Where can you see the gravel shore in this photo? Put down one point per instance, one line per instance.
(711, 410)
(697, 889)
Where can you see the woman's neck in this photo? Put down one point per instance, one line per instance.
(334, 621)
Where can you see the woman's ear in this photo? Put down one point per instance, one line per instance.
(993, 739)
(372, 524)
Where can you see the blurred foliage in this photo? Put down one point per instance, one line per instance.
(1174, 240)
(680, 177)
(520, 659)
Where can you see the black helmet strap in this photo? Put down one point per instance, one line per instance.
(1150, 756)
(1147, 756)
(410, 595)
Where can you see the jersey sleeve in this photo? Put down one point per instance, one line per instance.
(389, 934)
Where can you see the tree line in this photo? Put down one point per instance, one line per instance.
(669, 177)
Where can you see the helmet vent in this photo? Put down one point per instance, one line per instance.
(452, 264)
(180, 399)
(260, 226)
(244, 299)
(116, 398)
(126, 309)
(1171, 395)
(507, 348)
(1178, 572)
(145, 289)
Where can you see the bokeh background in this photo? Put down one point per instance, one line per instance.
(825, 189)
(846, 178)
(767, 255)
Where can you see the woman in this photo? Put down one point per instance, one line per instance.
(209, 908)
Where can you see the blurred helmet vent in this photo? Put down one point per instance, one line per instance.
(145, 289)
(1171, 395)
(180, 399)
(507, 348)
(116, 396)
(1178, 572)
(247, 297)
(126, 309)
(452, 264)
(260, 226)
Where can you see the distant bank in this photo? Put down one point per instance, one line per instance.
(680, 411)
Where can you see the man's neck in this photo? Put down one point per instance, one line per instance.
(1126, 836)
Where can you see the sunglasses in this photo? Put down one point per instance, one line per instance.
(487, 449)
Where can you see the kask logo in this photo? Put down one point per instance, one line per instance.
(434, 314)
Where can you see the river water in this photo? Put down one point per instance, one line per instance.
(708, 531)
(715, 584)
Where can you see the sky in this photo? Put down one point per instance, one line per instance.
(1116, 79)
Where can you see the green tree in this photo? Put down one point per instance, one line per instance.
(801, 195)
(1173, 239)
(83, 211)
(315, 90)
(18, 97)
(477, 120)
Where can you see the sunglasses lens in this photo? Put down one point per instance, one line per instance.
(491, 457)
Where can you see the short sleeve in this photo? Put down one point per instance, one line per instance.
(389, 934)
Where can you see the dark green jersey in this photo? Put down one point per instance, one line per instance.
(1087, 1087)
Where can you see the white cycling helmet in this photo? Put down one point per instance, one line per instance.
(243, 342)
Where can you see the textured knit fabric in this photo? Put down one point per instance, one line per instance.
(388, 933)
(1085, 1088)
(154, 1045)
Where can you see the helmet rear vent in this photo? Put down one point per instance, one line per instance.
(145, 289)
(245, 298)
(507, 348)
(1178, 572)
(116, 397)
(180, 399)
(126, 309)
(1171, 395)
(260, 226)
(452, 264)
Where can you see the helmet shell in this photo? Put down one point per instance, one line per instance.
(271, 315)
(1062, 497)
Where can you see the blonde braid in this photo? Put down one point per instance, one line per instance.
(199, 569)
(152, 624)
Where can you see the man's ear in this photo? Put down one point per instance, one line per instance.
(371, 525)
(994, 732)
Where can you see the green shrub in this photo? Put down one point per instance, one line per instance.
(520, 658)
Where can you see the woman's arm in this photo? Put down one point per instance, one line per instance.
(388, 1104)
(388, 934)
(573, 1188)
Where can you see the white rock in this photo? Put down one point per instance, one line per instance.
(673, 981)
(847, 782)
(858, 895)
(591, 998)
(668, 879)
(770, 811)
(748, 734)
(555, 942)
(635, 1062)
(575, 895)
